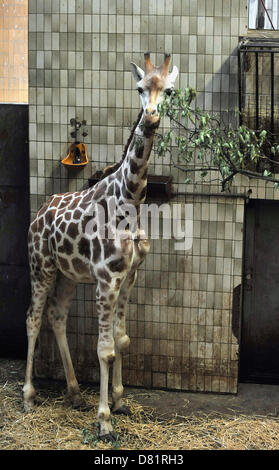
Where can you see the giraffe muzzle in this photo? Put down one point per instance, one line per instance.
(151, 122)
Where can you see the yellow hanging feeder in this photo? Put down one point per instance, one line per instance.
(77, 155)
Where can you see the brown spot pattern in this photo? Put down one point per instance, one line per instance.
(103, 274)
(77, 214)
(96, 250)
(134, 167)
(66, 248)
(79, 266)
(63, 263)
(117, 264)
(132, 186)
(100, 191)
(109, 248)
(72, 231)
(84, 247)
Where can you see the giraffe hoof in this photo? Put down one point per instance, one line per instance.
(82, 407)
(110, 437)
(29, 406)
(123, 410)
(78, 403)
(29, 398)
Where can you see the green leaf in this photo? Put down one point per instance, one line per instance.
(203, 121)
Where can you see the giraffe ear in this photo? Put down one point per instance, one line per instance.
(173, 74)
(137, 72)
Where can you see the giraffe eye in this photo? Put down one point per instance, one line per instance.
(168, 91)
(140, 90)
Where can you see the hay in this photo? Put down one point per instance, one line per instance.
(55, 426)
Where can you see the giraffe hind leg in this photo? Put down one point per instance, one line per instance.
(40, 289)
(57, 312)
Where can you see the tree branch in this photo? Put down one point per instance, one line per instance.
(252, 174)
(226, 180)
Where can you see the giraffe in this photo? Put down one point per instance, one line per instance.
(63, 252)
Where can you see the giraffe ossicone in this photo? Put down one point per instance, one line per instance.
(65, 248)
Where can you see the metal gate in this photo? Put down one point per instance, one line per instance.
(258, 69)
(259, 353)
(14, 222)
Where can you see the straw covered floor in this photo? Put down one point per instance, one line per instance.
(54, 425)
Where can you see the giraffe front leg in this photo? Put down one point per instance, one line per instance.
(106, 300)
(122, 342)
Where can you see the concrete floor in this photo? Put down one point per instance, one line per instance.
(252, 399)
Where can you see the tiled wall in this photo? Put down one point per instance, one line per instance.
(14, 51)
(184, 304)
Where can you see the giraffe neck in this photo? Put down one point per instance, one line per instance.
(133, 170)
(109, 170)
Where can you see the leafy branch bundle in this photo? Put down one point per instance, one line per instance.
(203, 143)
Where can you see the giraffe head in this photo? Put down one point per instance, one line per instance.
(152, 83)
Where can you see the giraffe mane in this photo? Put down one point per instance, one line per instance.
(112, 168)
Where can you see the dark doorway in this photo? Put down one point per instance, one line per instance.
(259, 354)
(14, 222)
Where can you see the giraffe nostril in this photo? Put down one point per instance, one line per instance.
(152, 112)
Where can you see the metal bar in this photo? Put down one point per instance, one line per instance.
(263, 44)
(260, 46)
(224, 195)
(257, 91)
(239, 86)
(263, 50)
(272, 96)
(260, 43)
(262, 2)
